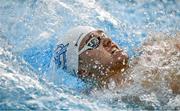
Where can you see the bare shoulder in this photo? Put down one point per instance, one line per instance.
(159, 63)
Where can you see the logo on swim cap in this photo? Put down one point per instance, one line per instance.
(66, 55)
(60, 56)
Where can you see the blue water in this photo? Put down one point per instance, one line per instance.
(29, 30)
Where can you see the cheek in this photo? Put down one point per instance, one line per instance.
(94, 58)
(100, 56)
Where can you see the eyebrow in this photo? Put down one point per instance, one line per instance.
(98, 32)
(89, 35)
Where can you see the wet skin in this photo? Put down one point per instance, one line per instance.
(105, 62)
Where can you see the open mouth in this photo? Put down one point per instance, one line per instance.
(114, 50)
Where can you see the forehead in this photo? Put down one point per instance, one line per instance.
(96, 32)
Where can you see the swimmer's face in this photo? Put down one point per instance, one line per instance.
(102, 59)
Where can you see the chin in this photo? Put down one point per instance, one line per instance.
(120, 60)
(120, 57)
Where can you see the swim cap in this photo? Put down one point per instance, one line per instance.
(66, 54)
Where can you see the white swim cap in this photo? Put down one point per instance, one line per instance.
(66, 55)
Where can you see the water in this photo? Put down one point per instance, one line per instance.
(28, 33)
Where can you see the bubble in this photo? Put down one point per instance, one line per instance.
(87, 52)
(39, 68)
(111, 84)
(93, 75)
(95, 66)
(97, 62)
(124, 61)
(122, 70)
(119, 58)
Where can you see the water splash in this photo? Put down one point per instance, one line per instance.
(31, 28)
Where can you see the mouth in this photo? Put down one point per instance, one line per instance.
(114, 50)
(119, 54)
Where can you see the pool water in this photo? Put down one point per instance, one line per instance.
(29, 30)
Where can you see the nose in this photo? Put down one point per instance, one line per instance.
(107, 42)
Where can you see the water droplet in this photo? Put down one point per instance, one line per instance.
(124, 61)
(95, 66)
(122, 70)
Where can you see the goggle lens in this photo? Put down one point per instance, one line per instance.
(94, 42)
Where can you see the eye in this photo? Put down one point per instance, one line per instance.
(94, 42)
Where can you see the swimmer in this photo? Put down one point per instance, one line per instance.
(90, 54)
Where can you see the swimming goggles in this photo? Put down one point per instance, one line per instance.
(93, 43)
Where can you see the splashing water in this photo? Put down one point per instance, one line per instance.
(147, 30)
